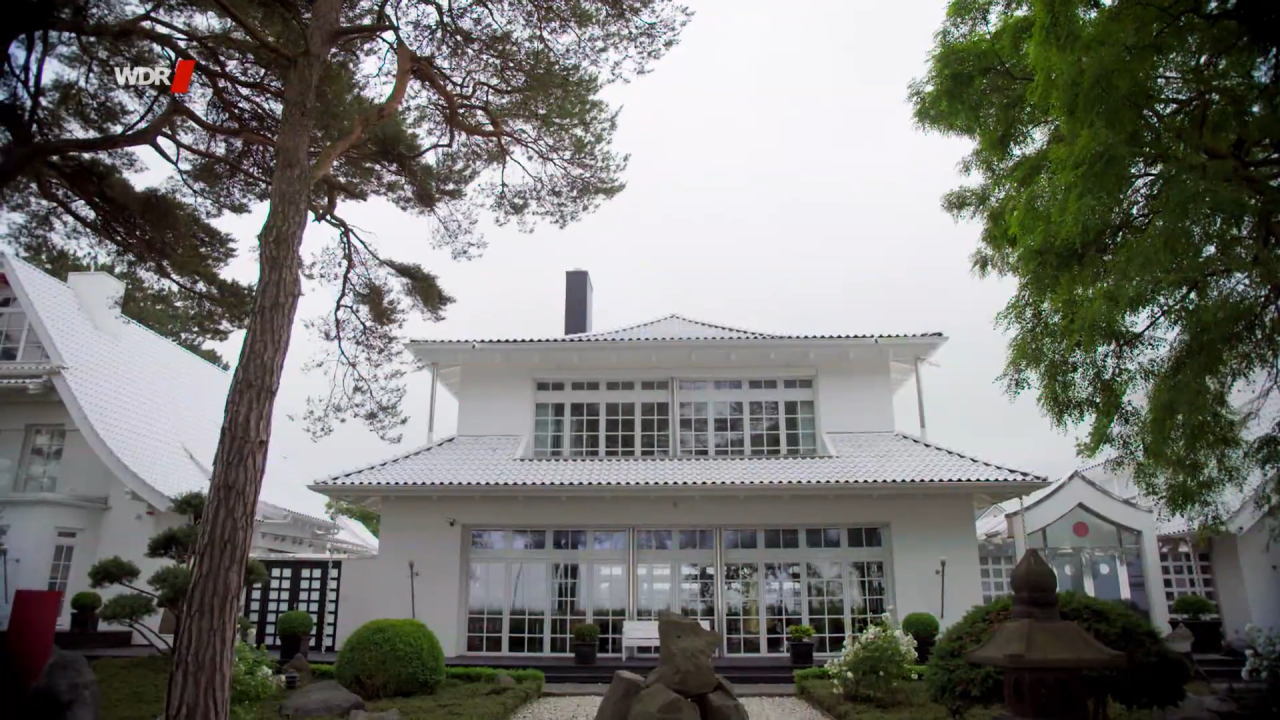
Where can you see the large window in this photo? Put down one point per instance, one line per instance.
(1094, 556)
(42, 458)
(582, 418)
(1185, 570)
(18, 343)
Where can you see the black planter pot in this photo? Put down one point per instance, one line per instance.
(293, 646)
(84, 622)
(924, 648)
(584, 653)
(1206, 634)
(801, 653)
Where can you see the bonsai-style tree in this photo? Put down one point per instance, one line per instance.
(168, 584)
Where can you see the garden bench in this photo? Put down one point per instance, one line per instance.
(644, 633)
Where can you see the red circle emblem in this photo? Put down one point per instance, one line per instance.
(1081, 529)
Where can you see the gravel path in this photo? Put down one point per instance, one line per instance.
(584, 708)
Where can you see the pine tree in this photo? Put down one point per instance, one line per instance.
(449, 111)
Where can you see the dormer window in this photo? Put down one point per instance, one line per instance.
(628, 418)
(18, 342)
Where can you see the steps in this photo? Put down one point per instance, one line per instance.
(1224, 668)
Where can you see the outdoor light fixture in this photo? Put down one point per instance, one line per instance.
(942, 572)
(291, 680)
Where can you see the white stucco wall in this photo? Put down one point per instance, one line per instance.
(921, 530)
(1260, 567)
(1233, 601)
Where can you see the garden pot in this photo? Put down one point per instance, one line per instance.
(801, 653)
(84, 621)
(924, 648)
(584, 653)
(1207, 636)
(291, 647)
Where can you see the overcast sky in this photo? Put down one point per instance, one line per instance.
(776, 183)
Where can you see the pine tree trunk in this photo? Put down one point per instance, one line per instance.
(200, 682)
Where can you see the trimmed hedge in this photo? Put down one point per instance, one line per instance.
(386, 658)
(920, 625)
(489, 675)
(322, 671)
(1155, 676)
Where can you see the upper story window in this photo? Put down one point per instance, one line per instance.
(42, 458)
(18, 343)
(585, 418)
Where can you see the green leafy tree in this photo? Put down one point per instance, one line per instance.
(1125, 165)
(369, 518)
(448, 111)
(168, 585)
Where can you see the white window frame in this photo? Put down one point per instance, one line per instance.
(745, 395)
(65, 539)
(23, 482)
(601, 397)
(1197, 581)
(9, 307)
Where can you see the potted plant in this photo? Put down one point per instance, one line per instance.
(801, 645)
(923, 627)
(586, 639)
(294, 630)
(1193, 612)
(84, 611)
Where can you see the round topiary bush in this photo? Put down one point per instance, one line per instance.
(86, 601)
(294, 623)
(386, 658)
(1155, 677)
(920, 625)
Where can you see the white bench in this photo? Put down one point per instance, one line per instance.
(644, 633)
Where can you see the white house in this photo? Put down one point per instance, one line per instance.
(753, 480)
(1106, 539)
(102, 422)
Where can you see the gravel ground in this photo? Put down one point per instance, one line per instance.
(584, 708)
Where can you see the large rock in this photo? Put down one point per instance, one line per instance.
(1180, 640)
(622, 692)
(721, 705)
(725, 685)
(66, 689)
(684, 656)
(300, 667)
(658, 703)
(323, 699)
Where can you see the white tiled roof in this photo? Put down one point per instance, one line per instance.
(675, 328)
(856, 458)
(155, 406)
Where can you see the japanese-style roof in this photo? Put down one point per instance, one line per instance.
(494, 461)
(677, 328)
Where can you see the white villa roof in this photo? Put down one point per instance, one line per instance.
(490, 461)
(677, 328)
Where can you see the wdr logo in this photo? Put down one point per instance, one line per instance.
(158, 76)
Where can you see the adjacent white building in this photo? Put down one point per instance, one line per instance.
(102, 423)
(754, 480)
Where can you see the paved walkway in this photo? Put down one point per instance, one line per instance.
(580, 689)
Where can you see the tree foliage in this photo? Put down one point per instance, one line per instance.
(168, 586)
(369, 518)
(1125, 164)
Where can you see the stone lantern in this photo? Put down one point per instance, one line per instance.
(1043, 656)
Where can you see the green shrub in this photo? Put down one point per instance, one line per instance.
(294, 623)
(1154, 677)
(86, 601)
(1193, 607)
(385, 658)
(251, 675)
(920, 625)
(490, 675)
(876, 665)
(321, 671)
(810, 673)
(586, 633)
(800, 633)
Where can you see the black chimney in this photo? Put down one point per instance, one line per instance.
(577, 302)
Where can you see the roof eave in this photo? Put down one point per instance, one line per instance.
(894, 487)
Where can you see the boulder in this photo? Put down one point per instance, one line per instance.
(721, 705)
(684, 656)
(505, 680)
(299, 666)
(725, 685)
(392, 714)
(66, 689)
(658, 703)
(622, 692)
(1180, 640)
(323, 699)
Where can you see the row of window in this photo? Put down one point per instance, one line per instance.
(652, 385)
(613, 429)
(679, 539)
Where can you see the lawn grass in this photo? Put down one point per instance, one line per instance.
(915, 704)
(133, 689)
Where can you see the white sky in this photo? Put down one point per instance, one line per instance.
(776, 183)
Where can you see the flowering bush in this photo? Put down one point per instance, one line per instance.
(1263, 661)
(875, 665)
(253, 675)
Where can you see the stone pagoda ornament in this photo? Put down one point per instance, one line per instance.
(1043, 656)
